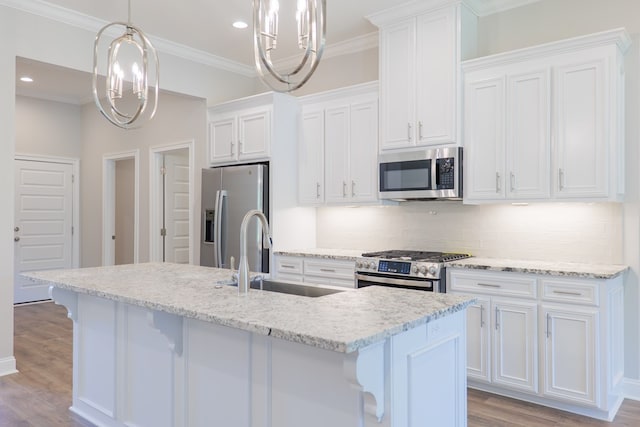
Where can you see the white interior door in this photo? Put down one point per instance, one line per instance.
(43, 223)
(176, 206)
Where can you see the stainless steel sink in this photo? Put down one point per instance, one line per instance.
(294, 288)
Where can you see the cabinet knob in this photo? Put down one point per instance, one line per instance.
(16, 239)
(16, 229)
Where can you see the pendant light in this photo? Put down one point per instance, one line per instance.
(124, 99)
(311, 26)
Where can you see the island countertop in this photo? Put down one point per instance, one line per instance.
(342, 322)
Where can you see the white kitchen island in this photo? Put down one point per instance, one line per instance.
(168, 345)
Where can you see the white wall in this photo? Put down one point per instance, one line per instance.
(7, 138)
(48, 128)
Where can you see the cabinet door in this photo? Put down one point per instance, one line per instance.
(363, 151)
(515, 350)
(570, 345)
(336, 161)
(311, 158)
(222, 140)
(397, 84)
(255, 134)
(580, 110)
(484, 139)
(436, 77)
(478, 339)
(528, 135)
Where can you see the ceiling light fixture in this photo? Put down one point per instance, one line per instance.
(26, 79)
(311, 24)
(130, 57)
(241, 25)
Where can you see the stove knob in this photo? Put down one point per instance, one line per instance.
(432, 270)
(415, 269)
(423, 270)
(372, 265)
(358, 264)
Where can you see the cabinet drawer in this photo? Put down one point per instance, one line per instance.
(503, 284)
(289, 265)
(330, 268)
(571, 291)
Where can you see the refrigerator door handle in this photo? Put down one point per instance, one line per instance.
(217, 247)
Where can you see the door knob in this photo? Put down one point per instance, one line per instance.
(16, 239)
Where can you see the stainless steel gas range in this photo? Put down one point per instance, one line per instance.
(405, 269)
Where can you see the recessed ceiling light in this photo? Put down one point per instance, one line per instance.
(240, 25)
(26, 79)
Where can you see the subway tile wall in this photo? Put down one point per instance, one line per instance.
(569, 232)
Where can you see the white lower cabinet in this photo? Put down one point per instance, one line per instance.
(550, 340)
(316, 270)
(515, 361)
(570, 353)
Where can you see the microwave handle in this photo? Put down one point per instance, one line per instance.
(434, 174)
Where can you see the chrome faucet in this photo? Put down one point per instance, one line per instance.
(243, 270)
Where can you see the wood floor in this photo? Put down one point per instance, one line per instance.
(40, 395)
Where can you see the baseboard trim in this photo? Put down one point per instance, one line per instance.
(631, 388)
(8, 366)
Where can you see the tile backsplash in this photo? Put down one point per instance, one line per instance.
(569, 232)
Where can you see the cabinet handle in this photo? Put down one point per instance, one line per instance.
(409, 131)
(512, 180)
(317, 190)
(420, 130)
(548, 325)
(497, 182)
(239, 146)
(287, 266)
(489, 285)
(327, 270)
(232, 145)
(344, 189)
(560, 179)
(575, 294)
(497, 318)
(353, 188)
(482, 316)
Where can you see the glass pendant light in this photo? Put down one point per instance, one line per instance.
(124, 100)
(311, 26)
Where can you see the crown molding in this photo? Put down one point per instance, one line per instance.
(86, 22)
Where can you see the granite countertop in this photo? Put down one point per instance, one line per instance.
(341, 322)
(338, 254)
(568, 269)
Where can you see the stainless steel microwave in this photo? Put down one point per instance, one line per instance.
(434, 173)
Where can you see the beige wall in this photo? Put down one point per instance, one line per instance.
(179, 119)
(48, 128)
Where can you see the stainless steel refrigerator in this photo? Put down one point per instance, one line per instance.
(228, 193)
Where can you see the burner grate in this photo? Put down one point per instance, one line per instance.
(410, 255)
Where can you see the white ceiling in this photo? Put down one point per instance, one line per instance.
(202, 26)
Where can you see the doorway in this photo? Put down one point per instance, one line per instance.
(120, 195)
(171, 213)
(46, 221)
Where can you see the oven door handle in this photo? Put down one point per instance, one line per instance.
(392, 281)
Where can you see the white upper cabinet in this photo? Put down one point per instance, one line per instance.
(420, 51)
(546, 123)
(311, 157)
(242, 130)
(583, 100)
(338, 147)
